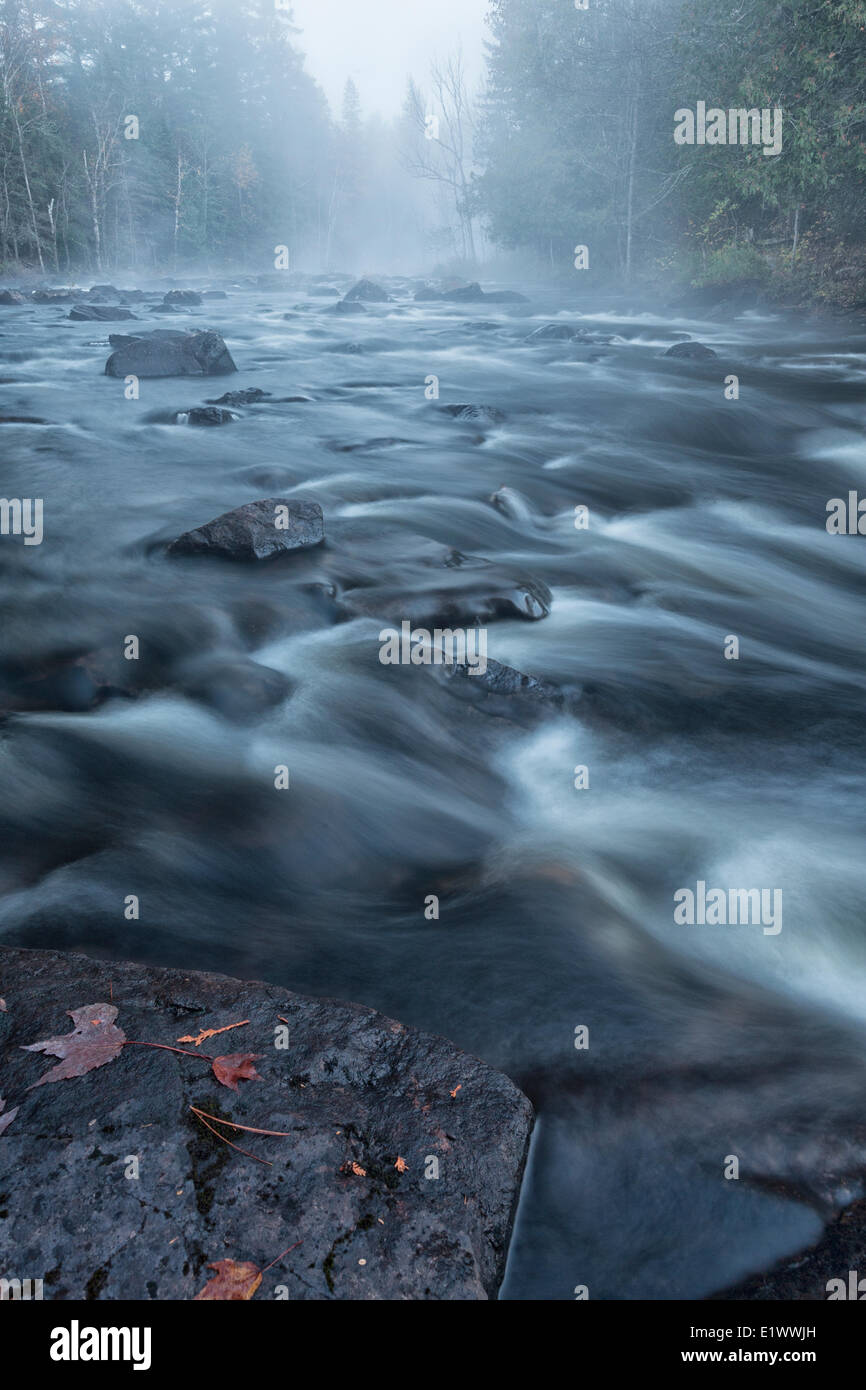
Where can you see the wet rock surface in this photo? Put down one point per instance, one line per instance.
(256, 531)
(398, 1165)
(169, 352)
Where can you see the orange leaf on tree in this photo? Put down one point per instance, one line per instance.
(93, 1042)
(234, 1279)
(238, 1066)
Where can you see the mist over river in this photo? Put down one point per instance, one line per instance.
(706, 519)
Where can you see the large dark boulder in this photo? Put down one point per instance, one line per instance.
(169, 352)
(11, 297)
(256, 531)
(369, 291)
(397, 1165)
(99, 313)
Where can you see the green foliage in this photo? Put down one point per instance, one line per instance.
(578, 137)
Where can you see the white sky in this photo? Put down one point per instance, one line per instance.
(379, 43)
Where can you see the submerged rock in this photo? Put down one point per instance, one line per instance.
(553, 332)
(99, 313)
(205, 415)
(367, 289)
(11, 297)
(239, 689)
(397, 1166)
(188, 297)
(64, 296)
(169, 352)
(500, 690)
(256, 531)
(249, 396)
(697, 352)
(477, 414)
(348, 306)
(104, 292)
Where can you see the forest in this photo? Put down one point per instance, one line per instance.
(152, 136)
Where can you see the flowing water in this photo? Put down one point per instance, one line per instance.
(706, 521)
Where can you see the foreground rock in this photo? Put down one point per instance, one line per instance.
(11, 297)
(370, 1111)
(256, 531)
(169, 352)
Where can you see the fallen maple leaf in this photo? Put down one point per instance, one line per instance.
(6, 1120)
(354, 1168)
(238, 1279)
(456, 1089)
(93, 1042)
(233, 1280)
(238, 1066)
(212, 1032)
(401, 1165)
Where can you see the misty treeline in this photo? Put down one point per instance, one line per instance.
(144, 135)
(151, 134)
(578, 134)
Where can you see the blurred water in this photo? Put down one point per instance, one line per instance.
(707, 518)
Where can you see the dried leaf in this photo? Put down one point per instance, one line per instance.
(238, 1066)
(233, 1280)
(456, 1089)
(212, 1032)
(356, 1169)
(93, 1042)
(2, 1006)
(6, 1120)
(401, 1165)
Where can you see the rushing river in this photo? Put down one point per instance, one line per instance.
(706, 520)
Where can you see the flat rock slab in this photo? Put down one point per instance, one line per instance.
(353, 1091)
(256, 531)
